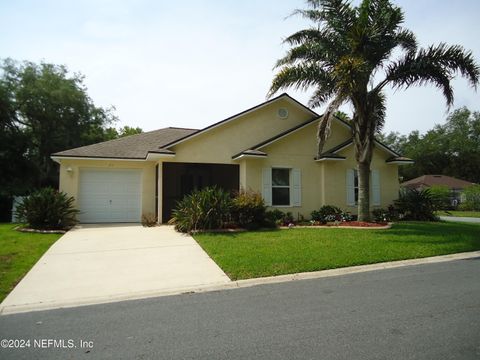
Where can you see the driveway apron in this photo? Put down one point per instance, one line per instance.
(101, 263)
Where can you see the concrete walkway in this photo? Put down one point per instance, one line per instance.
(461, 219)
(101, 263)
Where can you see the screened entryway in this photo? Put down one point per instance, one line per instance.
(180, 179)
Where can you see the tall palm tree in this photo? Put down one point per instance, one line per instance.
(350, 55)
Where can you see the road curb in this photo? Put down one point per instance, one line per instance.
(8, 310)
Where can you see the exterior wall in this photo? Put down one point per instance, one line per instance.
(323, 183)
(69, 180)
(218, 145)
(335, 179)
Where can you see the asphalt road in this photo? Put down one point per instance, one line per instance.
(417, 312)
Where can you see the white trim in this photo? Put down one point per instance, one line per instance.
(330, 159)
(249, 156)
(58, 158)
(157, 156)
(235, 117)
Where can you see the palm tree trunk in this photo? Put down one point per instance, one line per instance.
(364, 191)
(363, 143)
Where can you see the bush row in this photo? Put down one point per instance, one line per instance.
(213, 208)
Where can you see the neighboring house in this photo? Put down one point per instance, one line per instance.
(456, 186)
(269, 148)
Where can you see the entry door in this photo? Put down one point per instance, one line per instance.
(109, 196)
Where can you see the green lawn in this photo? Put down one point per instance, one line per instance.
(265, 253)
(18, 253)
(475, 214)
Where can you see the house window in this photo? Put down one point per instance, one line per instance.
(280, 187)
(353, 188)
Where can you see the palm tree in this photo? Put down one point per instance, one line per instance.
(350, 55)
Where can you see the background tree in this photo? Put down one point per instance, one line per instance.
(450, 149)
(52, 110)
(44, 109)
(347, 56)
(113, 133)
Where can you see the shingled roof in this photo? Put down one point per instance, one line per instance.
(130, 147)
(430, 180)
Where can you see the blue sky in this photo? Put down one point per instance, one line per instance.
(192, 63)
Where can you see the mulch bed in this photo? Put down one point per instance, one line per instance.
(346, 225)
(362, 224)
(28, 230)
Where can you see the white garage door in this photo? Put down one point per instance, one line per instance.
(109, 195)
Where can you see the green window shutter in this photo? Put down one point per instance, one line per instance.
(267, 186)
(350, 181)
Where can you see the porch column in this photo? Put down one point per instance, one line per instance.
(159, 191)
(243, 174)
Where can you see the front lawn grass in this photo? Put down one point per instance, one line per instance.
(265, 253)
(18, 253)
(475, 214)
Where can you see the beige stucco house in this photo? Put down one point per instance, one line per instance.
(269, 148)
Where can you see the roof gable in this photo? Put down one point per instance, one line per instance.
(283, 96)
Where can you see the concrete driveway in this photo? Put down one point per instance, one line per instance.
(101, 263)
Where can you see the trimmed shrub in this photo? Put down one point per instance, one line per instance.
(288, 218)
(416, 204)
(47, 209)
(346, 216)
(205, 209)
(385, 215)
(327, 213)
(248, 209)
(278, 218)
(274, 218)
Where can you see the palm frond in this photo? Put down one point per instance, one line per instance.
(304, 36)
(436, 65)
(407, 40)
(319, 53)
(301, 76)
(324, 126)
(320, 96)
(376, 103)
(338, 14)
